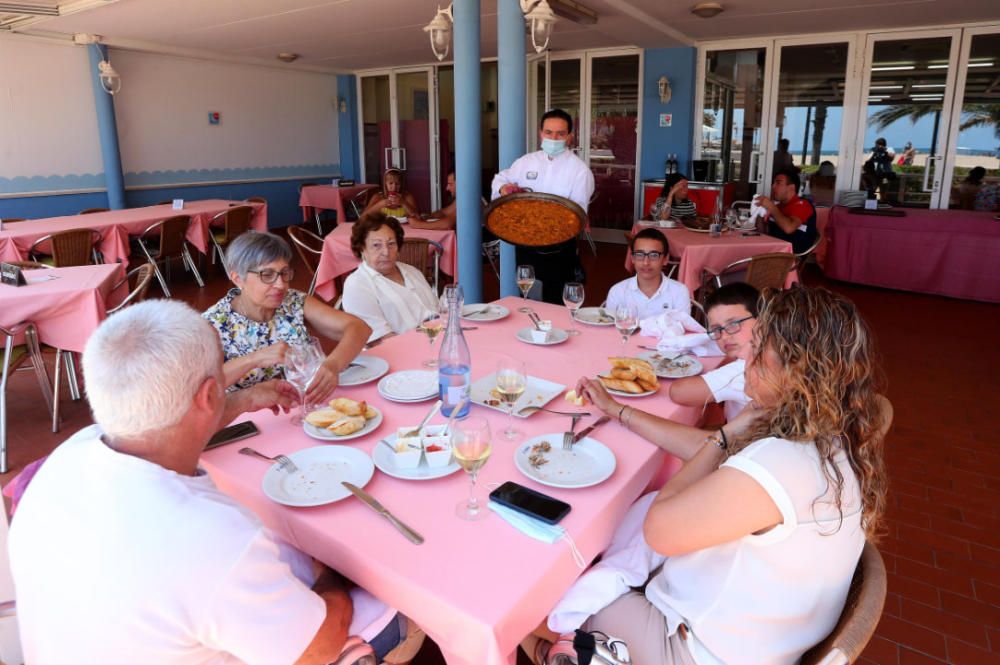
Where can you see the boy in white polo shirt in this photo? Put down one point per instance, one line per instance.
(732, 313)
(650, 290)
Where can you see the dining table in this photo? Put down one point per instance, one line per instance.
(337, 258)
(329, 197)
(115, 227)
(65, 304)
(475, 587)
(696, 251)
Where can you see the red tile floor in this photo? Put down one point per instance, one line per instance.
(942, 549)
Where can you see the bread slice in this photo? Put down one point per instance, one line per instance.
(324, 417)
(347, 425)
(622, 386)
(349, 406)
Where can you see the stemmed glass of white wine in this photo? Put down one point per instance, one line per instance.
(525, 280)
(573, 299)
(431, 327)
(512, 379)
(302, 360)
(471, 446)
(626, 320)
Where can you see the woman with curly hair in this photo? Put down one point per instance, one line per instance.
(760, 532)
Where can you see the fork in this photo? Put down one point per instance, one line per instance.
(528, 410)
(284, 462)
(568, 436)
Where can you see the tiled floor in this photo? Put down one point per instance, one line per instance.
(942, 550)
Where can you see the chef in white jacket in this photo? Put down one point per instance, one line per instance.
(554, 169)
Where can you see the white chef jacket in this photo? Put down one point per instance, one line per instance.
(564, 175)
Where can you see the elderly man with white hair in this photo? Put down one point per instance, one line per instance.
(124, 551)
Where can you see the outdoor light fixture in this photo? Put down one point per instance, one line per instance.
(288, 57)
(439, 30)
(707, 9)
(110, 80)
(663, 87)
(540, 20)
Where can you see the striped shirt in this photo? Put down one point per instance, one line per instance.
(685, 208)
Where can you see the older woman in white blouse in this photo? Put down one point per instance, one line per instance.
(391, 297)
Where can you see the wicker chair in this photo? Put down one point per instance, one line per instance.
(13, 357)
(861, 614)
(164, 203)
(139, 280)
(12, 220)
(91, 211)
(234, 222)
(310, 249)
(763, 271)
(163, 241)
(415, 252)
(256, 199)
(77, 247)
(27, 265)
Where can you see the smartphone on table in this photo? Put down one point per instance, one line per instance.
(237, 432)
(530, 502)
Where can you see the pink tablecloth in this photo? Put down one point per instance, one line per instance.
(115, 226)
(337, 258)
(952, 253)
(65, 310)
(697, 251)
(328, 197)
(477, 588)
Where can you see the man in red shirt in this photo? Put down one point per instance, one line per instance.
(790, 218)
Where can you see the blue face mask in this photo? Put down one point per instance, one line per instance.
(553, 147)
(529, 526)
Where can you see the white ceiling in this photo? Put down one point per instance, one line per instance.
(347, 35)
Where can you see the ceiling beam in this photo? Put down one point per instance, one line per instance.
(627, 8)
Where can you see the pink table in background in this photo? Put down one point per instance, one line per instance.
(952, 253)
(328, 197)
(115, 226)
(337, 258)
(477, 588)
(697, 251)
(66, 310)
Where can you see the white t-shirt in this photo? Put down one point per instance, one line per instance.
(386, 306)
(565, 175)
(726, 384)
(766, 599)
(671, 295)
(118, 560)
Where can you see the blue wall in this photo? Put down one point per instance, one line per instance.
(347, 125)
(679, 66)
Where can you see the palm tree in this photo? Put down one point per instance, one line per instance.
(981, 115)
(890, 114)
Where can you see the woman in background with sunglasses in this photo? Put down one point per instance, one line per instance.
(259, 318)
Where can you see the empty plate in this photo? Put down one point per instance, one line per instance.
(484, 312)
(594, 316)
(317, 482)
(589, 462)
(412, 385)
(367, 368)
(673, 369)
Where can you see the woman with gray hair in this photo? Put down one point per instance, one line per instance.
(259, 318)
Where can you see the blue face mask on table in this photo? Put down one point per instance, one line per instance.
(552, 147)
(534, 528)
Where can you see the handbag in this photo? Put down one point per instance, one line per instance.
(356, 652)
(587, 648)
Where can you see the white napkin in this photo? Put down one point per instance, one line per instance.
(626, 563)
(757, 210)
(677, 332)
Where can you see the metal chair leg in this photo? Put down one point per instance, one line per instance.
(590, 240)
(156, 268)
(319, 222)
(35, 351)
(312, 285)
(186, 256)
(74, 384)
(55, 392)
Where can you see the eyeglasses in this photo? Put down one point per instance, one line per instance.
(387, 246)
(642, 256)
(269, 276)
(730, 328)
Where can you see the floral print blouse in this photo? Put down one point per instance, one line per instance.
(242, 336)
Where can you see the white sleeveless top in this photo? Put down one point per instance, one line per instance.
(766, 599)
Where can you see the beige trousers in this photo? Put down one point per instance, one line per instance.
(643, 628)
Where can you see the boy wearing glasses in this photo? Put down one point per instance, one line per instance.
(732, 313)
(650, 290)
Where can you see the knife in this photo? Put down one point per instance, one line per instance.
(587, 430)
(381, 510)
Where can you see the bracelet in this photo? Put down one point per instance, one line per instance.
(631, 413)
(620, 415)
(721, 441)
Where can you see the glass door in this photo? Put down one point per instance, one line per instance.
(376, 125)
(565, 84)
(909, 82)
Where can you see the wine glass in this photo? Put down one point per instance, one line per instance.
(470, 444)
(512, 379)
(573, 299)
(626, 320)
(302, 360)
(525, 280)
(431, 327)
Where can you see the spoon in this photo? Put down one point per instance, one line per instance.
(458, 407)
(528, 410)
(416, 432)
(534, 320)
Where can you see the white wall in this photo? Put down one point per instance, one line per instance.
(48, 125)
(270, 118)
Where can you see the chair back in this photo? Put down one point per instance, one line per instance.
(414, 252)
(308, 245)
(861, 614)
(172, 232)
(769, 270)
(139, 280)
(91, 211)
(27, 265)
(70, 248)
(237, 222)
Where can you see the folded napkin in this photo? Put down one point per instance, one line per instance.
(677, 332)
(627, 563)
(757, 210)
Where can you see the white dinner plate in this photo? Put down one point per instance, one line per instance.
(556, 336)
(384, 460)
(594, 316)
(412, 385)
(492, 313)
(317, 482)
(537, 392)
(658, 223)
(589, 462)
(324, 434)
(622, 393)
(371, 368)
(678, 369)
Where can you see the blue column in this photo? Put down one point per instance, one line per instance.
(468, 151)
(513, 85)
(347, 125)
(108, 129)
